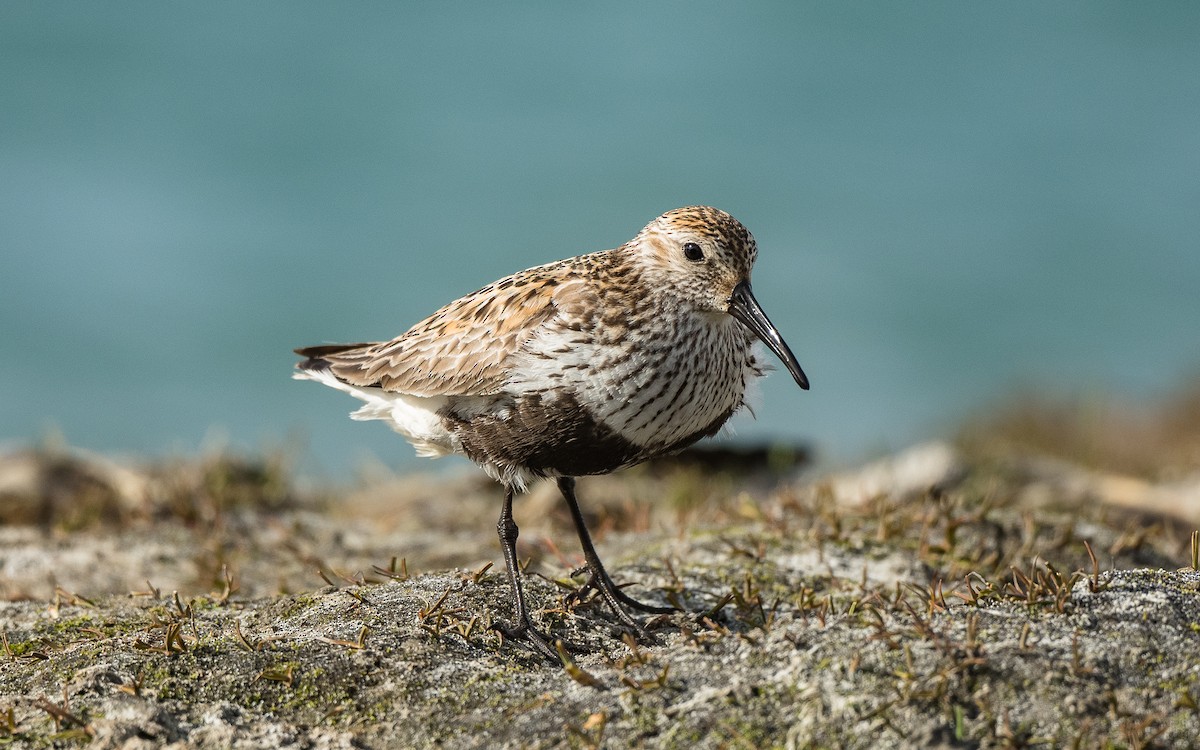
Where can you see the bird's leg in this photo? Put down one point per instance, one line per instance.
(524, 630)
(599, 579)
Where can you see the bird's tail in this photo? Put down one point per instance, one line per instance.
(314, 356)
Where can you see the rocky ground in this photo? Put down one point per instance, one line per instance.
(1009, 589)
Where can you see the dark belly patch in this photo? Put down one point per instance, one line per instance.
(544, 436)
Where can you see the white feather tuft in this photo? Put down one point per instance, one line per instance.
(414, 417)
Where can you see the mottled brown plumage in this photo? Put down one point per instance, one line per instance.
(582, 366)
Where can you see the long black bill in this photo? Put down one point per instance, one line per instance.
(744, 307)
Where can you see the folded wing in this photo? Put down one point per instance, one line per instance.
(463, 348)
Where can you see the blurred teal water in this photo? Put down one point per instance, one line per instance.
(951, 199)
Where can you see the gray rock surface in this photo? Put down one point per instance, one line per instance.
(946, 612)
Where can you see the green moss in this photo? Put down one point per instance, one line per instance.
(66, 624)
(296, 604)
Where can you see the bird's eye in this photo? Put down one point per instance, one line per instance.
(692, 252)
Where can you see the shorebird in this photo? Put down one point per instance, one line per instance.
(582, 366)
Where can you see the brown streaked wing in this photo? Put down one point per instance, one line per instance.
(463, 348)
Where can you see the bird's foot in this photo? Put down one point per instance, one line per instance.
(601, 583)
(616, 599)
(532, 637)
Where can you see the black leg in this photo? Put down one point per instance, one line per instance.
(599, 578)
(524, 630)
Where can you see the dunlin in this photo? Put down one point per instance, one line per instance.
(583, 366)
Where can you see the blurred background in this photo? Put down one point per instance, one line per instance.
(953, 201)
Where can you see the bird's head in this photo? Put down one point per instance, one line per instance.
(703, 257)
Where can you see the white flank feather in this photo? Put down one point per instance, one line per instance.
(414, 417)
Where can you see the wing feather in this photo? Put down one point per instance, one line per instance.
(465, 347)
